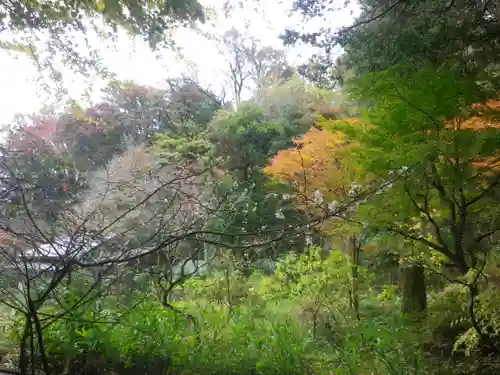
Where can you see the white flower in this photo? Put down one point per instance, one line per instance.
(309, 241)
(332, 206)
(317, 197)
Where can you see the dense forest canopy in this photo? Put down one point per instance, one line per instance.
(338, 215)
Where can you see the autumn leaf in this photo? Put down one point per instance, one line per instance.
(318, 165)
(482, 117)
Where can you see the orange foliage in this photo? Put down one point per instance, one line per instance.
(491, 164)
(316, 164)
(484, 116)
(490, 105)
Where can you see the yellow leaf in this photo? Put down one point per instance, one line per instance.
(100, 6)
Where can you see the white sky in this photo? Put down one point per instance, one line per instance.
(132, 59)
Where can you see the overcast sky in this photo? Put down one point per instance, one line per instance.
(132, 59)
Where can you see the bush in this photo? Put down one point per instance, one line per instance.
(153, 340)
(447, 314)
(297, 321)
(249, 344)
(382, 347)
(147, 338)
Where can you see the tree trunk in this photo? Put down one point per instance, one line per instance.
(355, 276)
(354, 249)
(414, 290)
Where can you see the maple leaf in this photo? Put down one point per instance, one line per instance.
(317, 165)
(480, 118)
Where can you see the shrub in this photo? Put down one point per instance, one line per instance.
(152, 340)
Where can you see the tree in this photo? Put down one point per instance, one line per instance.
(243, 142)
(249, 61)
(131, 178)
(34, 156)
(238, 69)
(150, 20)
(298, 102)
(323, 180)
(388, 33)
(56, 151)
(81, 140)
(414, 289)
(190, 110)
(50, 162)
(135, 213)
(316, 168)
(268, 65)
(152, 201)
(437, 150)
(447, 153)
(189, 102)
(50, 33)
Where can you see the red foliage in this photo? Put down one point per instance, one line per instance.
(42, 132)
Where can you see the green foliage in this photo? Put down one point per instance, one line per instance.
(59, 37)
(383, 346)
(268, 305)
(421, 147)
(180, 149)
(407, 117)
(267, 331)
(149, 20)
(246, 139)
(469, 341)
(149, 335)
(298, 102)
(252, 345)
(223, 287)
(242, 144)
(448, 313)
(419, 34)
(110, 339)
(311, 272)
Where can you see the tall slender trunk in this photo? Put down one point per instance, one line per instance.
(355, 250)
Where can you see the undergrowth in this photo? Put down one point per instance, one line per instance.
(297, 321)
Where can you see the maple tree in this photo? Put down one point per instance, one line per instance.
(50, 154)
(322, 176)
(430, 157)
(317, 165)
(480, 120)
(439, 138)
(438, 149)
